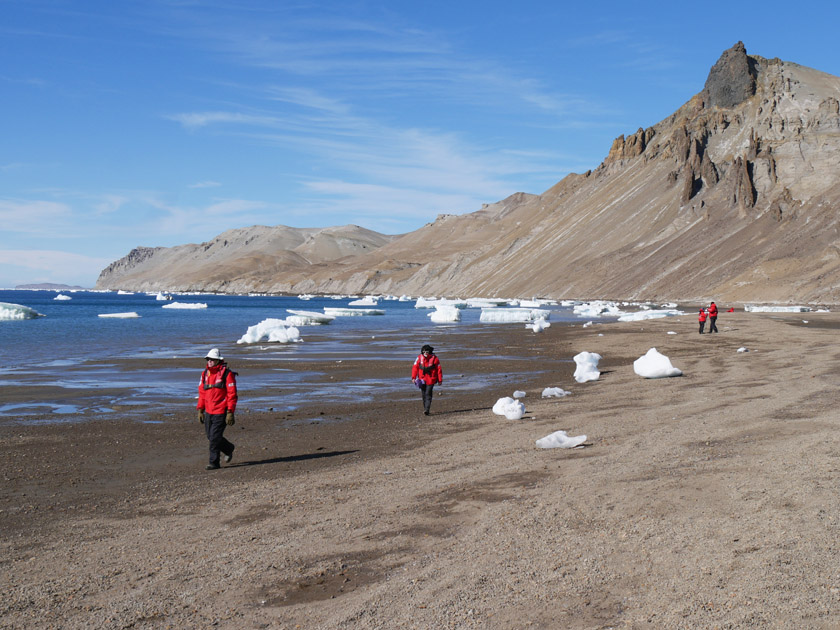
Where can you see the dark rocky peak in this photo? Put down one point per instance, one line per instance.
(732, 79)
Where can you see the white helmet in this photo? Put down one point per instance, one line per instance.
(214, 354)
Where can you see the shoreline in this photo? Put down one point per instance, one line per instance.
(704, 500)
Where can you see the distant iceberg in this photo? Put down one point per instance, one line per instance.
(365, 301)
(129, 315)
(513, 315)
(61, 296)
(308, 318)
(649, 314)
(445, 314)
(351, 312)
(186, 306)
(9, 311)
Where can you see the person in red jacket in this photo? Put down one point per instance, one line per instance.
(701, 317)
(712, 318)
(216, 404)
(426, 373)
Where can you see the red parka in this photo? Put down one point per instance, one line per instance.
(712, 310)
(217, 390)
(701, 316)
(427, 368)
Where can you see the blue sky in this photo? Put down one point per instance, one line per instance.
(162, 122)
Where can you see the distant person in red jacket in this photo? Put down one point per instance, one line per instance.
(712, 318)
(701, 317)
(426, 373)
(216, 404)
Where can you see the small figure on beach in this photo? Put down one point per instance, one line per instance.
(426, 373)
(701, 317)
(216, 405)
(712, 318)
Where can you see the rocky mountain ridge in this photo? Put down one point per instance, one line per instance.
(733, 197)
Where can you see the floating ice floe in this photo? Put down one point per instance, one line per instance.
(537, 303)
(61, 296)
(365, 301)
(121, 292)
(512, 315)
(163, 297)
(752, 308)
(486, 302)
(509, 408)
(649, 314)
(559, 439)
(538, 325)
(352, 312)
(587, 367)
(308, 318)
(742, 349)
(185, 306)
(445, 314)
(655, 365)
(128, 315)
(554, 392)
(9, 311)
(276, 330)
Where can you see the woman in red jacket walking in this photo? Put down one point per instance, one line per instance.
(426, 373)
(712, 318)
(216, 403)
(701, 317)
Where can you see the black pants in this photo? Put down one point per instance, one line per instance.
(712, 327)
(214, 426)
(702, 326)
(427, 396)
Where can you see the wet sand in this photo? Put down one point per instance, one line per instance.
(708, 500)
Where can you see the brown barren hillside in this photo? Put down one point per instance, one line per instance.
(735, 196)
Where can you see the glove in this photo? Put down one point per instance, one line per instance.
(229, 419)
(201, 416)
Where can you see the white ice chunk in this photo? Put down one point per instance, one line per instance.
(750, 308)
(519, 394)
(121, 292)
(9, 311)
(512, 315)
(742, 349)
(308, 318)
(352, 312)
(271, 330)
(538, 326)
(587, 367)
(129, 315)
(162, 297)
(444, 314)
(185, 306)
(596, 309)
(509, 408)
(559, 439)
(61, 296)
(365, 301)
(671, 332)
(655, 365)
(554, 392)
(649, 314)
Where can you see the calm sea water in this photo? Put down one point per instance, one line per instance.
(68, 353)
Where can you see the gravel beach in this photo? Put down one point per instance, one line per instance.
(710, 500)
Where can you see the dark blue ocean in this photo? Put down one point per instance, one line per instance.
(71, 351)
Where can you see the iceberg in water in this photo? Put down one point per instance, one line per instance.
(538, 326)
(9, 311)
(649, 314)
(61, 296)
(587, 367)
(655, 365)
(559, 439)
(596, 309)
(351, 312)
(129, 315)
(365, 301)
(271, 330)
(185, 306)
(509, 408)
(512, 315)
(444, 314)
(308, 318)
